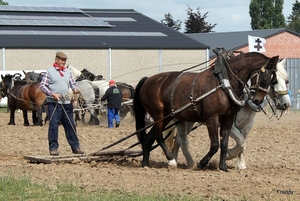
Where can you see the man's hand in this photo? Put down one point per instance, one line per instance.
(55, 96)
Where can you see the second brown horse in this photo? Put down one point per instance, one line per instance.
(24, 96)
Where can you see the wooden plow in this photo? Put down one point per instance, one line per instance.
(76, 158)
(99, 156)
(102, 155)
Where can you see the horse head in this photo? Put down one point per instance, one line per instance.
(278, 90)
(9, 81)
(99, 77)
(32, 76)
(262, 79)
(6, 82)
(88, 75)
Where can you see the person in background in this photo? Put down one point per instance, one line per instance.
(291, 99)
(56, 83)
(298, 100)
(113, 96)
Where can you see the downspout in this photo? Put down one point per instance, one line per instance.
(109, 63)
(3, 59)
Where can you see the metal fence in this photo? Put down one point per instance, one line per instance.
(293, 70)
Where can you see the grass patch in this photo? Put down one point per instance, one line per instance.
(12, 189)
(3, 109)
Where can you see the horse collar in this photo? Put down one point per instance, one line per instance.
(222, 74)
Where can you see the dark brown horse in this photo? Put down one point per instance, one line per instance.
(211, 96)
(24, 96)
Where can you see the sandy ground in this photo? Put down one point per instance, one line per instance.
(273, 161)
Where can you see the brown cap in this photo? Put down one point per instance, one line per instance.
(61, 55)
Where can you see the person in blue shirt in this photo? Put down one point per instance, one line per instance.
(113, 96)
(55, 83)
(291, 99)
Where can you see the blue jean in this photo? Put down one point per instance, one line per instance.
(61, 113)
(113, 113)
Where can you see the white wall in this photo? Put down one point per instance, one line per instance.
(127, 65)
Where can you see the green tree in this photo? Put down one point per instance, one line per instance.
(195, 22)
(169, 22)
(3, 3)
(294, 18)
(266, 14)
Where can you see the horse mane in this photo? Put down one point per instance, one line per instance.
(76, 73)
(22, 82)
(281, 71)
(8, 75)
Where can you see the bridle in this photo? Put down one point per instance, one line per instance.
(259, 78)
(277, 95)
(260, 74)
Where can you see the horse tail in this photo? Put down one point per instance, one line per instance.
(139, 111)
(172, 132)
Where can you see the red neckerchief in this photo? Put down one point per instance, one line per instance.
(60, 69)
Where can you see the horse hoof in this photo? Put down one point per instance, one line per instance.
(240, 167)
(224, 169)
(172, 164)
(192, 166)
(145, 164)
(199, 166)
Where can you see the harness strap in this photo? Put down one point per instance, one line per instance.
(198, 99)
(173, 89)
(282, 92)
(192, 93)
(192, 101)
